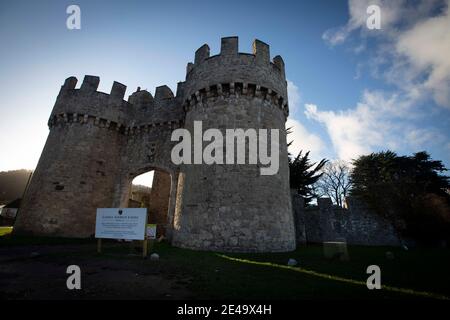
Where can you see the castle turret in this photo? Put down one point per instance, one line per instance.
(75, 173)
(230, 207)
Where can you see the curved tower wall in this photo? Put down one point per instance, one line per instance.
(233, 207)
(75, 173)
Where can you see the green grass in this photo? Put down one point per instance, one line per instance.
(318, 277)
(9, 240)
(414, 274)
(5, 231)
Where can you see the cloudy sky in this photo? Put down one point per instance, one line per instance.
(352, 90)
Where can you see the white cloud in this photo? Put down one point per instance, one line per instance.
(336, 36)
(427, 48)
(420, 138)
(378, 122)
(412, 46)
(303, 140)
(300, 137)
(411, 52)
(346, 131)
(396, 16)
(294, 97)
(391, 11)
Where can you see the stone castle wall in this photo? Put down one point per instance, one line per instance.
(99, 142)
(159, 201)
(357, 224)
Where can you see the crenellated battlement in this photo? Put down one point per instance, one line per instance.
(229, 74)
(90, 85)
(230, 49)
(232, 66)
(86, 105)
(226, 75)
(163, 93)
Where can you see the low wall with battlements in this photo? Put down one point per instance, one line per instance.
(357, 224)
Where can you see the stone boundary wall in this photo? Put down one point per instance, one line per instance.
(327, 222)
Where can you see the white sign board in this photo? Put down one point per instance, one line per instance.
(121, 223)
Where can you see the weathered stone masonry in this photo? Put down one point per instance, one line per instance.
(356, 224)
(99, 142)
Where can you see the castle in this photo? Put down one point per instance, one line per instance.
(99, 142)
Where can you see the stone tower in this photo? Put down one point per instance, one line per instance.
(99, 142)
(237, 208)
(73, 176)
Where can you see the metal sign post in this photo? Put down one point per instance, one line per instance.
(150, 236)
(99, 245)
(144, 248)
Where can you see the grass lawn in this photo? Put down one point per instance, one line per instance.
(5, 231)
(414, 274)
(421, 273)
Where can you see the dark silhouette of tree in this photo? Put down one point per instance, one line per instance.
(12, 184)
(304, 174)
(411, 191)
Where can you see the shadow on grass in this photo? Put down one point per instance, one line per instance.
(420, 273)
(336, 278)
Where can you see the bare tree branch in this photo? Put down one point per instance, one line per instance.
(334, 182)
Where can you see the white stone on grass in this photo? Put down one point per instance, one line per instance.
(154, 257)
(292, 262)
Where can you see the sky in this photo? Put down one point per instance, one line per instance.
(352, 90)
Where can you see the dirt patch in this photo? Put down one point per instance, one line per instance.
(38, 272)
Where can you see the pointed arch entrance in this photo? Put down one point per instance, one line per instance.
(161, 199)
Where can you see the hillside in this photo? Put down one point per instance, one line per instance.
(12, 184)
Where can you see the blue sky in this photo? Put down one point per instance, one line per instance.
(352, 90)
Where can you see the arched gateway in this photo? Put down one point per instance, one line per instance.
(99, 142)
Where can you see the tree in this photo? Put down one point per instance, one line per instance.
(371, 175)
(12, 184)
(407, 189)
(334, 182)
(303, 174)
